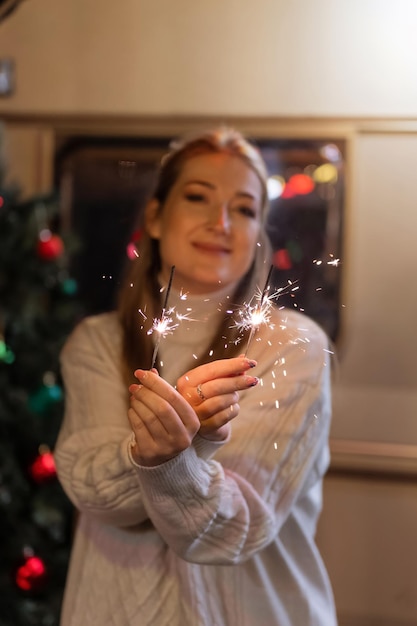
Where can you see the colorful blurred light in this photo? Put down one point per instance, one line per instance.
(275, 186)
(326, 173)
(300, 184)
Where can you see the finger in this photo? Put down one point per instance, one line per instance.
(219, 387)
(142, 415)
(193, 384)
(165, 401)
(215, 405)
(151, 450)
(157, 414)
(145, 428)
(221, 368)
(134, 386)
(150, 407)
(221, 418)
(228, 385)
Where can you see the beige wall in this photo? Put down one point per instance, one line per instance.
(367, 538)
(240, 57)
(376, 394)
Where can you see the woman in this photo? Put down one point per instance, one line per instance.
(186, 518)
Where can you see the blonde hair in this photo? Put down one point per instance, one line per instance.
(140, 288)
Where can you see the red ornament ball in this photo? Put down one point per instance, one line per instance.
(282, 259)
(31, 575)
(50, 246)
(43, 468)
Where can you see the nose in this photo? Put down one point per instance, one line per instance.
(221, 219)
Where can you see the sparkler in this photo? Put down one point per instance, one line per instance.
(164, 325)
(253, 316)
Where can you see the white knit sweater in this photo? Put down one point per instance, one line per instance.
(221, 535)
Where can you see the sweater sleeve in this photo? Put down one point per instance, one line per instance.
(224, 510)
(91, 451)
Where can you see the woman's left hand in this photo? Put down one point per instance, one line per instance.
(213, 389)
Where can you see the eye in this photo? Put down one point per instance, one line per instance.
(247, 211)
(195, 197)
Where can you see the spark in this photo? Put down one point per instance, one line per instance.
(167, 323)
(164, 325)
(142, 313)
(184, 316)
(252, 316)
(333, 261)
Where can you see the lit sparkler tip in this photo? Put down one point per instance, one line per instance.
(252, 316)
(164, 325)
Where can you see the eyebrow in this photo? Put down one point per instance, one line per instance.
(205, 183)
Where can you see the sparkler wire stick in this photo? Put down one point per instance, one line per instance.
(266, 287)
(257, 315)
(164, 307)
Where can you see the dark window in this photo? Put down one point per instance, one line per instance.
(105, 182)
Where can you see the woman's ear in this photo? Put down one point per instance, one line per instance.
(153, 219)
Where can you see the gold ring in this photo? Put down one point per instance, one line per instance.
(200, 393)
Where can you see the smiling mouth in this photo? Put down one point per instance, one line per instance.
(211, 248)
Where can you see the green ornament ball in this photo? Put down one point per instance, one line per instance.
(69, 287)
(44, 397)
(6, 355)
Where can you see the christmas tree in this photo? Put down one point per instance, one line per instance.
(38, 309)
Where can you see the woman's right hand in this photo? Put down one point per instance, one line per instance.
(163, 422)
(212, 390)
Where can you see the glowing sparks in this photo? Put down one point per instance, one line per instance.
(334, 262)
(164, 325)
(252, 316)
(170, 319)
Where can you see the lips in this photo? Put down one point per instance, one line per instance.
(211, 248)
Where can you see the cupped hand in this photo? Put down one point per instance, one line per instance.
(163, 422)
(212, 390)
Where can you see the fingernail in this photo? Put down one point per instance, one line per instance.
(252, 381)
(134, 388)
(141, 374)
(252, 363)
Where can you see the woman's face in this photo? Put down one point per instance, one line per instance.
(209, 225)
